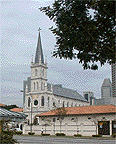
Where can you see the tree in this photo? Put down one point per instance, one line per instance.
(6, 135)
(79, 35)
(60, 112)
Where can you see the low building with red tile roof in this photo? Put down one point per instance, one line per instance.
(84, 120)
(84, 110)
(17, 109)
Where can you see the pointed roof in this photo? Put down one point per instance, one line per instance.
(106, 82)
(39, 52)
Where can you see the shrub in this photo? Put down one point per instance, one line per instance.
(114, 135)
(31, 133)
(77, 135)
(96, 135)
(7, 137)
(60, 134)
(43, 134)
(18, 132)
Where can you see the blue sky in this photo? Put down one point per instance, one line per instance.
(20, 21)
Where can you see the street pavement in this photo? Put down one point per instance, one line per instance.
(60, 140)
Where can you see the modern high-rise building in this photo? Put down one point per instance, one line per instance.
(106, 89)
(113, 67)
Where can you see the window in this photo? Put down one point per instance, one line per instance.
(48, 101)
(67, 104)
(76, 105)
(58, 101)
(54, 104)
(35, 72)
(42, 86)
(72, 105)
(63, 104)
(37, 85)
(35, 102)
(53, 119)
(29, 102)
(42, 101)
(86, 96)
(72, 119)
(43, 72)
(34, 85)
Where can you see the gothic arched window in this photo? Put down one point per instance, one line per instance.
(67, 104)
(42, 86)
(29, 102)
(42, 101)
(34, 85)
(37, 85)
(43, 72)
(63, 104)
(48, 101)
(72, 105)
(35, 72)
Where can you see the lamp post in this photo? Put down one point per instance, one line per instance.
(31, 113)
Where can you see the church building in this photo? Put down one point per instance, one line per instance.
(39, 96)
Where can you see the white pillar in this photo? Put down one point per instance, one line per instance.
(110, 127)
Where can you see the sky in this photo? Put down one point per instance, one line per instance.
(20, 21)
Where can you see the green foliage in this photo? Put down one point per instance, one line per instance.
(96, 135)
(44, 134)
(8, 107)
(79, 35)
(18, 132)
(60, 134)
(77, 135)
(5, 134)
(31, 133)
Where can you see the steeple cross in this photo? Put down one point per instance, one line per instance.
(39, 29)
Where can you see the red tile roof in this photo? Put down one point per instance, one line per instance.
(17, 109)
(96, 109)
(2, 105)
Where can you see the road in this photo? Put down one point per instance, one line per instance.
(60, 140)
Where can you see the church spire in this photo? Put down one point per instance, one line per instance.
(39, 52)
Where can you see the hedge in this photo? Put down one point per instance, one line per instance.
(44, 134)
(18, 132)
(77, 135)
(60, 134)
(114, 135)
(31, 133)
(96, 135)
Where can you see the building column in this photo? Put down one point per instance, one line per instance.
(66, 128)
(110, 127)
(81, 128)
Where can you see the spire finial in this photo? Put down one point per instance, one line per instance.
(32, 59)
(39, 29)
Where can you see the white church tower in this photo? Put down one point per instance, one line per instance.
(38, 70)
(35, 88)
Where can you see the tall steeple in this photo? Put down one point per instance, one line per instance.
(39, 52)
